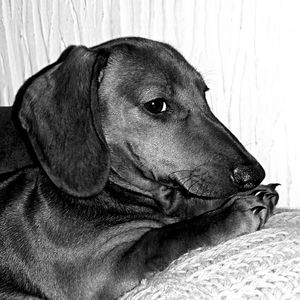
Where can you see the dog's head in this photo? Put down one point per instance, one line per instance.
(134, 111)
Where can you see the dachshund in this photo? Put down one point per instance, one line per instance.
(126, 169)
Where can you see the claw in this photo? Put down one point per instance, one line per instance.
(273, 185)
(257, 194)
(255, 210)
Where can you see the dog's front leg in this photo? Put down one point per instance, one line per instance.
(244, 213)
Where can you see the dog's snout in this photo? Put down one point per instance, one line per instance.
(247, 177)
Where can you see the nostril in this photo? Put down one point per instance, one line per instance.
(247, 177)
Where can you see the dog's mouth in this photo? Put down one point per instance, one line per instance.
(176, 201)
(183, 202)
(187, 194)
(192, 185)
(174, 195)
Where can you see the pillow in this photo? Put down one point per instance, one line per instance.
(261, 265)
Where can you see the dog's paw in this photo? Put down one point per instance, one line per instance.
(253, 208)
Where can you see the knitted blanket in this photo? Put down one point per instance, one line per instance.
(261, 265)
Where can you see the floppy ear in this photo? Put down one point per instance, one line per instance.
(54, 108)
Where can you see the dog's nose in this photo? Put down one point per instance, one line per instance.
(247, 177)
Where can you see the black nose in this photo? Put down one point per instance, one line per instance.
(247, 177)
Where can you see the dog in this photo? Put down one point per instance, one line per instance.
(126, 169)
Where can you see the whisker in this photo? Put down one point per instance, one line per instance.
(180, 178)
(192, 185)
(188, 177)
(183, 183)
(202, 165)
(190, 170)
(183, 177)
(180, 171)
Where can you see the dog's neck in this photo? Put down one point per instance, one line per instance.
(159, 196)
(116, 179)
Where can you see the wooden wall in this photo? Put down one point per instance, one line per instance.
(248, 52)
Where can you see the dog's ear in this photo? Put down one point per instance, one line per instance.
(55, 109)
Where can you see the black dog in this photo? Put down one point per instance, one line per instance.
(131, 170)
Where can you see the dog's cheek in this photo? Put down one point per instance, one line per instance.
(156, 157)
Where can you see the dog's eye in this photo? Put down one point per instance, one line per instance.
(156, 106)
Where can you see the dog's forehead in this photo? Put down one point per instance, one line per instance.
(157, 64)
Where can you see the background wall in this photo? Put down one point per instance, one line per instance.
(248, 52)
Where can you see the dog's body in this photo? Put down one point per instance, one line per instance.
(131, 170)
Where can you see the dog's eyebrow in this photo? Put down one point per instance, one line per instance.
(150, 92)
(200, 84)
(203, 87)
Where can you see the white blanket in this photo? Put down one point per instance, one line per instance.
(261, 265)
